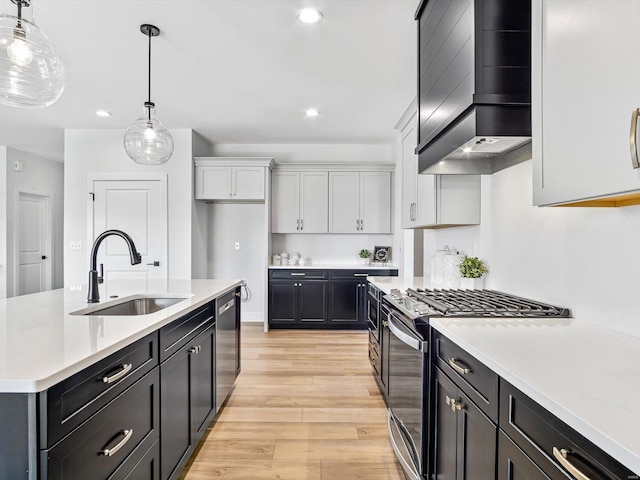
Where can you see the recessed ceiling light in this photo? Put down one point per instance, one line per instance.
(103, 113)
(312, 112)
(309, 15)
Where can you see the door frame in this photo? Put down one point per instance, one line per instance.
(131, 177)
(49, 241)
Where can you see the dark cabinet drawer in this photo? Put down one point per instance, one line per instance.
(361, 273)
(126, 426)
(537, 432)
(475, 379)
(180, 331)
(298, 274)
(146, 468)
(71, 402)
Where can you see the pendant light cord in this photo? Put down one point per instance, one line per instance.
(149, 78)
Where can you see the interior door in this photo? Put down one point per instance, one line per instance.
(34, 266)
(139, 208)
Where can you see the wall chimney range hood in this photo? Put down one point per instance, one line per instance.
(474, 85)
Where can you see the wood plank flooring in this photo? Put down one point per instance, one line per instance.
(305, 407)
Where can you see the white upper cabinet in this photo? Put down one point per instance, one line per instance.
(360, 202)
(299, 202)
(585, 74)
(231, 179)
(430, 201)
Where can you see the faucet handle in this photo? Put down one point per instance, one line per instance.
(101, 277)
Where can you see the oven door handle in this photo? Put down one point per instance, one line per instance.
(404, 458)
(405, 338)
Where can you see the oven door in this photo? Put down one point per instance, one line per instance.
(408, 375)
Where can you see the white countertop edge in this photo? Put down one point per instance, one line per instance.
(42, 384)
(606, 443)
(334, 266)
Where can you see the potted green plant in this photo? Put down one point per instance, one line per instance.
(365, 255)
(472, 271)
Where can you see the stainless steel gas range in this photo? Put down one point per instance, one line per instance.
(407, 366)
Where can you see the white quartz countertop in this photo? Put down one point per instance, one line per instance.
(42, 343)
(586, 375)
(338, 266)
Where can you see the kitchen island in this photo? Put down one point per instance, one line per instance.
(74, 382)
(580, 372)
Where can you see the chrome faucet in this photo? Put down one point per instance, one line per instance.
(93, 296)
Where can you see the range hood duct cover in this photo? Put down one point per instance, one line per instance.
(486, 98)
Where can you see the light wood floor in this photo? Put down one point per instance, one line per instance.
(305, 407)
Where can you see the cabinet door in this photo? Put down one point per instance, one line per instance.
(175, 413)
(477, 442)
(314, 202)
(344, 298)
(384, 353)
(282, 302)
(203, 395)
(426, 201)
(445, 436)
(213, 183)
(375, 202)
(248, 183)
(285, 198)
(312, 298)
(344, 202)
(513, 464)
(581, 109)
(409, 173)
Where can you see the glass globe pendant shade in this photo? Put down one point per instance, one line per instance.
(31, 72)
(147, 141)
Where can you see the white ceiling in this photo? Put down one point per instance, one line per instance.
(236, 71)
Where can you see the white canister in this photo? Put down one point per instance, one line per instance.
(276, 260)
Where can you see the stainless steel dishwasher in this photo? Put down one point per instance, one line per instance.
(227, 344)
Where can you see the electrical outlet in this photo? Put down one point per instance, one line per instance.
(18, 166)
(77, 245)
(237, 245)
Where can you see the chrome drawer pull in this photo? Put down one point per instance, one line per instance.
(298, 274)
(633, 141)
(454, 404)
(109, 452)
(360, 274)
(117, 376)
(461, 370)
(561, 455)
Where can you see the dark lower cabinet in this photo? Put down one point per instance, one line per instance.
(319, 298)
(300, 304)
(187, 399)
(513, 464)
(148, 468)
(465, 439)
(111, 442)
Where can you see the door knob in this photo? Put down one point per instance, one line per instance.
(156, 263)
(44, 257)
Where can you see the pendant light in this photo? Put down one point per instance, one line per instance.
(147, 141)
(31, 72)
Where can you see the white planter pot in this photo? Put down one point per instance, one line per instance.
(364, 261)
(472, 283)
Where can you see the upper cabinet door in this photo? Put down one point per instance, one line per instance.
(314, 202)
(585, 86)
(344, 202)
(285, 197)
(375, 202)
(409, 174)
(213, 183)
(248, 183)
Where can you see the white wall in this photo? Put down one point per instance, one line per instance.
(102, 151)
(308, 153)
(244, 223)
(39, 176)
(586, 259)
(3, 222)
(329, 248)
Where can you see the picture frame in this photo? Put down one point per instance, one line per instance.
(381, 254)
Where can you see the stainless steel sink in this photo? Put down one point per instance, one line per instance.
(134, 306)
